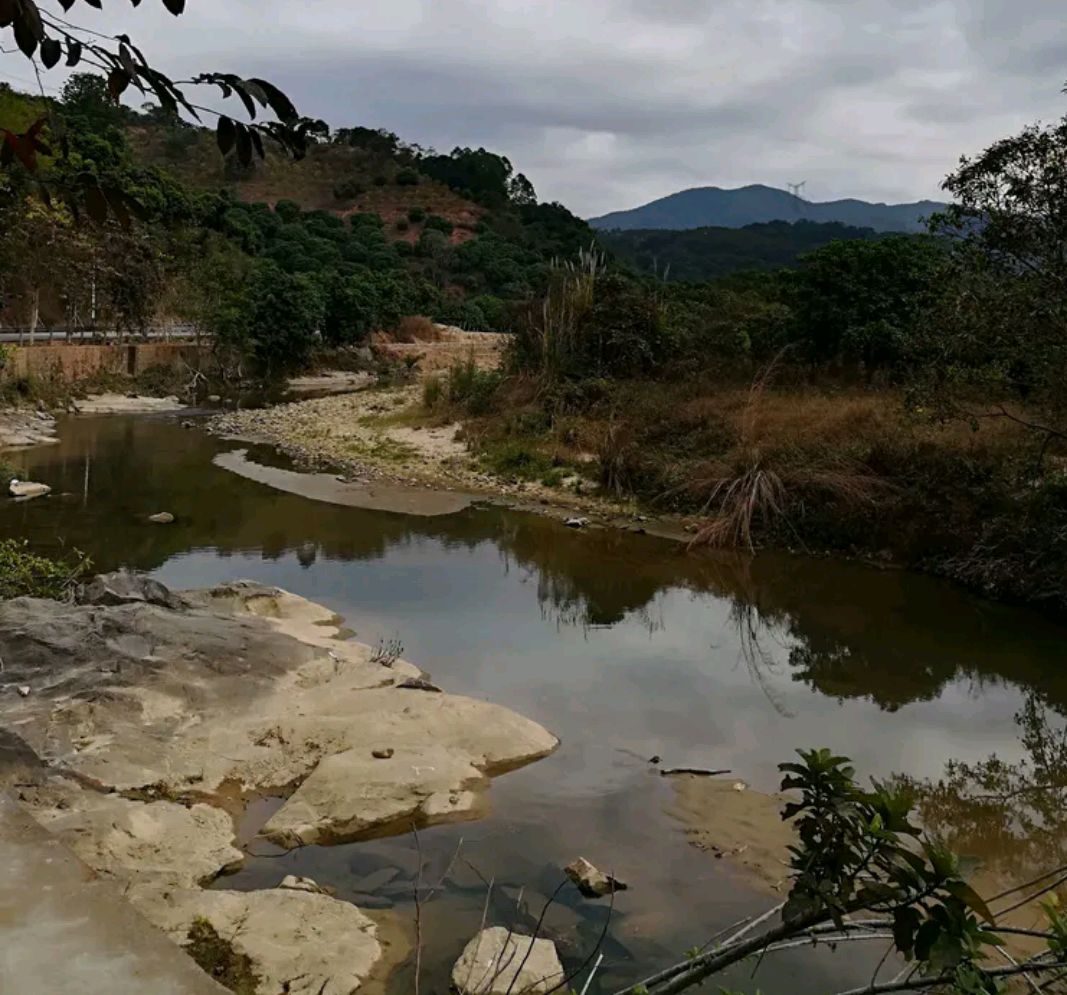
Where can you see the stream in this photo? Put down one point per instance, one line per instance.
(625, 646)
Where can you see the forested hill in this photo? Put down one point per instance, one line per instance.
(705, 206)
(704, 253)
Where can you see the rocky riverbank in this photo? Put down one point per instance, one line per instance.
(383, 435)
(137, 724)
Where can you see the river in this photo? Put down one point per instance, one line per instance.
(625, 646)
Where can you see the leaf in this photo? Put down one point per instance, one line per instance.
(226, 134)
(96, 204)
(117, 83)
(925, 938)
(966, 894)
(250, 104)
(905, 923)
(244, 146)
(176, 7)
(51, 53)
(279, 102)
(257, 142)
(74, 52)
(24, 39)
(31, 16)
(8, 10)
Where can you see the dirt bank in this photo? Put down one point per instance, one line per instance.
(136, 726)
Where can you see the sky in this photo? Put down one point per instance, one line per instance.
(607, 104)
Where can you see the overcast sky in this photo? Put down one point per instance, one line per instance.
(606, 104)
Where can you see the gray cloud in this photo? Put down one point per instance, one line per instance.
(609, 103)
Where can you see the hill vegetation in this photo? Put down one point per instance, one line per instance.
(703, 207)
(699, 254)
(270, 256)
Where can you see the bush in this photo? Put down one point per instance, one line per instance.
(402, 225)
(24, 574)
(472, 388)
(436, 223)
(433, 392)
(407, 178)
(416, 214)
(380, 181)
(349, 190)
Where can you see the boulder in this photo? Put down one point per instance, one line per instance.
(123, 588)
(498, 962)
(27, 489)
(591, 882)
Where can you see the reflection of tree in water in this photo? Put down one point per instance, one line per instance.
(1013, 814)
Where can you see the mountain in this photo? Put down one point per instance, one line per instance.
(705, 253)
(712, 206)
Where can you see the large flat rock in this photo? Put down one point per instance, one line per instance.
(64, 929)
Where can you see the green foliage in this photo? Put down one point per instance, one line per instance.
(863, 301)
(407, 178)
(471, 388)
(350, 189)
(698, 254)
(416, 214)
(24, 574)
(436, 223)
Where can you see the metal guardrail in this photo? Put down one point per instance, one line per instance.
(17, 335)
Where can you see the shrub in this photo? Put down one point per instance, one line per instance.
(515, 459)
(407, 178)
(24, 574)
(433, 392)
(380, 181)
(473, 388)
(402, 225)
(349, 190)
(436, 223)
(415, 328)
(416, 214)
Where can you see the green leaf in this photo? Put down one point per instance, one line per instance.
(51, 52)
(966, 894)
(226, 134)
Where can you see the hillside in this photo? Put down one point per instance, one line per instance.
(704, 253)
(713, 206)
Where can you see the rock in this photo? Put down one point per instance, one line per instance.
(126, 404)
(382, 754)
(188, 424)
(27, 489)
(576, 523)
(591, 882)
(214, 398)
(155, 845)
(162, 518)
(298, 943)
(498, 963)
(24, 690)
(419, 684)
(123, 588)
(291, 882)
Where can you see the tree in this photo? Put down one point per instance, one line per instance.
(1001, 331)
(861, 301)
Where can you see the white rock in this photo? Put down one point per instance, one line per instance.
(162, 518)
(576, 523)
(24, 691)
(496, 963)
(28, 489)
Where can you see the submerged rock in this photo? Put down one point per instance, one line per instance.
(499, 962)
(292, 882)
(591, 882)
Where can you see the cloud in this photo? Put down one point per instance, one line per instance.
(606, 104)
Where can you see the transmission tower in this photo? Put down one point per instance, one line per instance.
(795, 188)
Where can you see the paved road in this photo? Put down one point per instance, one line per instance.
(60, 337)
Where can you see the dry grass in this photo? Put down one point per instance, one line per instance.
(415, 328)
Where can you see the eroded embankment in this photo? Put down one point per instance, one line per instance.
(135, 725)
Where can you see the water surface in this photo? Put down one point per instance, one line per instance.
(625, 646)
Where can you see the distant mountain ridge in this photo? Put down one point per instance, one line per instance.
(702, 207)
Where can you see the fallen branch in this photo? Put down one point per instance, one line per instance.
(698, 771)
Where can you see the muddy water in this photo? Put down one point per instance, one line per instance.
(625, 646)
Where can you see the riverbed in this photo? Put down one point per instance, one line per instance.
(625, 646)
